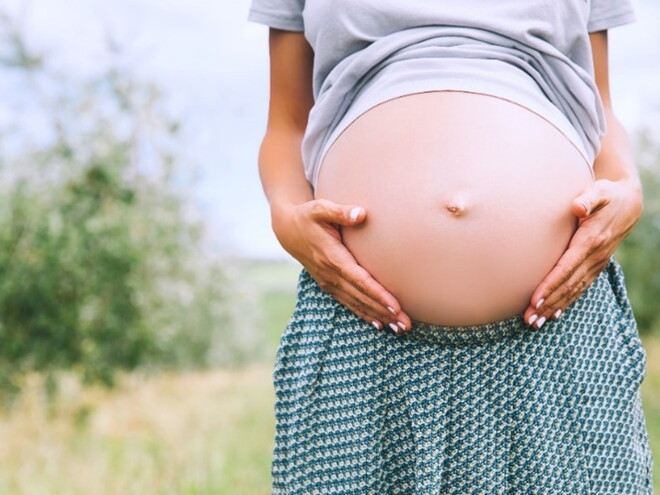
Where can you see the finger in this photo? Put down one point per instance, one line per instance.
(581, 279)
(361, 280)
(361, 308)
(329, 211)
(337, 288)
(564, 282)
(565, 267)
(554, 312)
(564, 297)
(572, 291)
(363, 302)
(567, 291)
(586, 241)
(592, 200)
(385, 315)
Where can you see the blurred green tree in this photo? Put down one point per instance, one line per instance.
(104, 265)
(639, 253)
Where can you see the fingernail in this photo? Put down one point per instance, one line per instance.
(533, 318)
(538, 304)
(377, 324)
(540, 322)
(401, 325)
(355, 212)
(586, 206)
(394, 327)
(391, 310)
(557, 314)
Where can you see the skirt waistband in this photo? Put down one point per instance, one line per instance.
(468, 334)
(508, 327)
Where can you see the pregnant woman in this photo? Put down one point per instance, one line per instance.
(454, 182)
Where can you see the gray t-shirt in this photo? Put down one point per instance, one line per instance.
(532, 52)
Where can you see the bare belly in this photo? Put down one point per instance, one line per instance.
(467, 198)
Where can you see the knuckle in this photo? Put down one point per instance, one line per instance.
(325, 263)
(356, 306)
(566, 292)
(328, 284)
(338, 269)
(361, 306)
(360, 283)
(564, 270)
(317, 207)
(577, 290)
(600, 239)
(563, 266)
(596, 240)
(330, 261)
(600, 263)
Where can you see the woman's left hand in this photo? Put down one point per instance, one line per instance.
(606, 212)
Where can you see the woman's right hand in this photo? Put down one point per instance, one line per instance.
(310, 233)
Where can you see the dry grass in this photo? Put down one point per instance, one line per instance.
(651, 401)
(188, 433)
(193, 433)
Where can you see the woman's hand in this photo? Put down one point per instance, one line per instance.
(607, 212)
(310, 233)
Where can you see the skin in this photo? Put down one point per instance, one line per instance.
(307, 228)
(607, 212)
(443, 239)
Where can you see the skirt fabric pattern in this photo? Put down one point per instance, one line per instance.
(492, 409)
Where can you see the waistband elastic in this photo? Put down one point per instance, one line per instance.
(468, 334)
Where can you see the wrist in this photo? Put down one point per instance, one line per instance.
(283, 202)
(281, 215)
(632, 184)
(286, 196)
(634, 195)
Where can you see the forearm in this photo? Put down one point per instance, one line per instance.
(281, 169)
(616, 160)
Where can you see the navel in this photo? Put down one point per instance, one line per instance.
(457, 206)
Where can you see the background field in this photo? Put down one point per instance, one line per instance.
(204, 432)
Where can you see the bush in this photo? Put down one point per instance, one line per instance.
(639, 253)
(103, 260)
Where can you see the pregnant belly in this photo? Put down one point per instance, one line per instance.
(467, 198)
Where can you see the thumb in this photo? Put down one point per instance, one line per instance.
(588, 202)
(329, 211)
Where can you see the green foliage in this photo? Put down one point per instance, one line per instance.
(67, 293)
(103, 263)
(639, 253)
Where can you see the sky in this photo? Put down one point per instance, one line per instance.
(213, 67)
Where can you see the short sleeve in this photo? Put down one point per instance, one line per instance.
(606, 14)
(279, 14)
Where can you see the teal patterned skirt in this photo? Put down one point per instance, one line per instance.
(492, 409)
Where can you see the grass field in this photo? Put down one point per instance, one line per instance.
(188, 433)
(192, 433)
